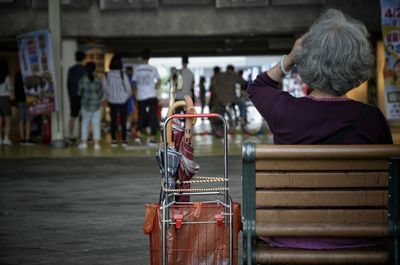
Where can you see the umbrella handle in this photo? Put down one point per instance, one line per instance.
(170, 112)
(190, 108)
(189, 122)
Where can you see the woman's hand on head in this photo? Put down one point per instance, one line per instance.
(287, 61)
(298, 45)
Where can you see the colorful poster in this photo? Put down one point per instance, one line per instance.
(390, 14)
(37, 68)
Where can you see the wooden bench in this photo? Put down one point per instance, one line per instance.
(320, 191)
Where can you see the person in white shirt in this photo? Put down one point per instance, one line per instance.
(188, 81)
(118, 91)
(187, 84)
(147, 81)
(5, 102)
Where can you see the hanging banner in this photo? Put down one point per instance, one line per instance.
(37, 68)
(390, 14)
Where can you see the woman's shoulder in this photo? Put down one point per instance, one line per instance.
(377, 111)
(369, 107)
(374, 117)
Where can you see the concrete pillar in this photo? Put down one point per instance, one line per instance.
(57, 139)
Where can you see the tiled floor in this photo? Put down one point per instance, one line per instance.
(91, 211)
(204, 144)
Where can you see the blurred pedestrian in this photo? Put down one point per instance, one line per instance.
(118, 91)
(202, 88)
(188, 81)
(147, 81)
(75, 73)
(225, 92)
(24, 117)
(6, 91)
(132, 104)
(92, 94)
(213, 88)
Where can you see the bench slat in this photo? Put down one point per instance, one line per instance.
(347, 152)
(320, 190)
(270, 255)
(321, 230)
(325, 198)
(321, 165)
(289, 179)
(349, 216)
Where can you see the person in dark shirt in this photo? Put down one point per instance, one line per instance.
(333, 57)
(75, 73)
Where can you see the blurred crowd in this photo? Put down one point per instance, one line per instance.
(123, 103)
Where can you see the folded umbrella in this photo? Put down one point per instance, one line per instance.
(183, 143)
(173, 157)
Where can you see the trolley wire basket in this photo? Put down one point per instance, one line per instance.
(196, 234)
(201, 232)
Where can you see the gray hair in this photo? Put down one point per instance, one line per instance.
(336, 55)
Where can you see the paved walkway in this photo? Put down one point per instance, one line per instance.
(83, 210)
(72, 207)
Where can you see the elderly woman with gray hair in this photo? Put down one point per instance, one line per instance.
(333, 57)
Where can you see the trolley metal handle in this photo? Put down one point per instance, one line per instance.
(200, 115)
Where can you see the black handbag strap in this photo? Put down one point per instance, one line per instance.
(340, 135)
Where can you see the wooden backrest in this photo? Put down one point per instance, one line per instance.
(318, 190)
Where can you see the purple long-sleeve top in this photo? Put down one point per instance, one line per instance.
(309, 120)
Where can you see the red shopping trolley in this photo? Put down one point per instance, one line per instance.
(200, 231)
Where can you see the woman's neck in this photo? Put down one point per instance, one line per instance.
(320, 94)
